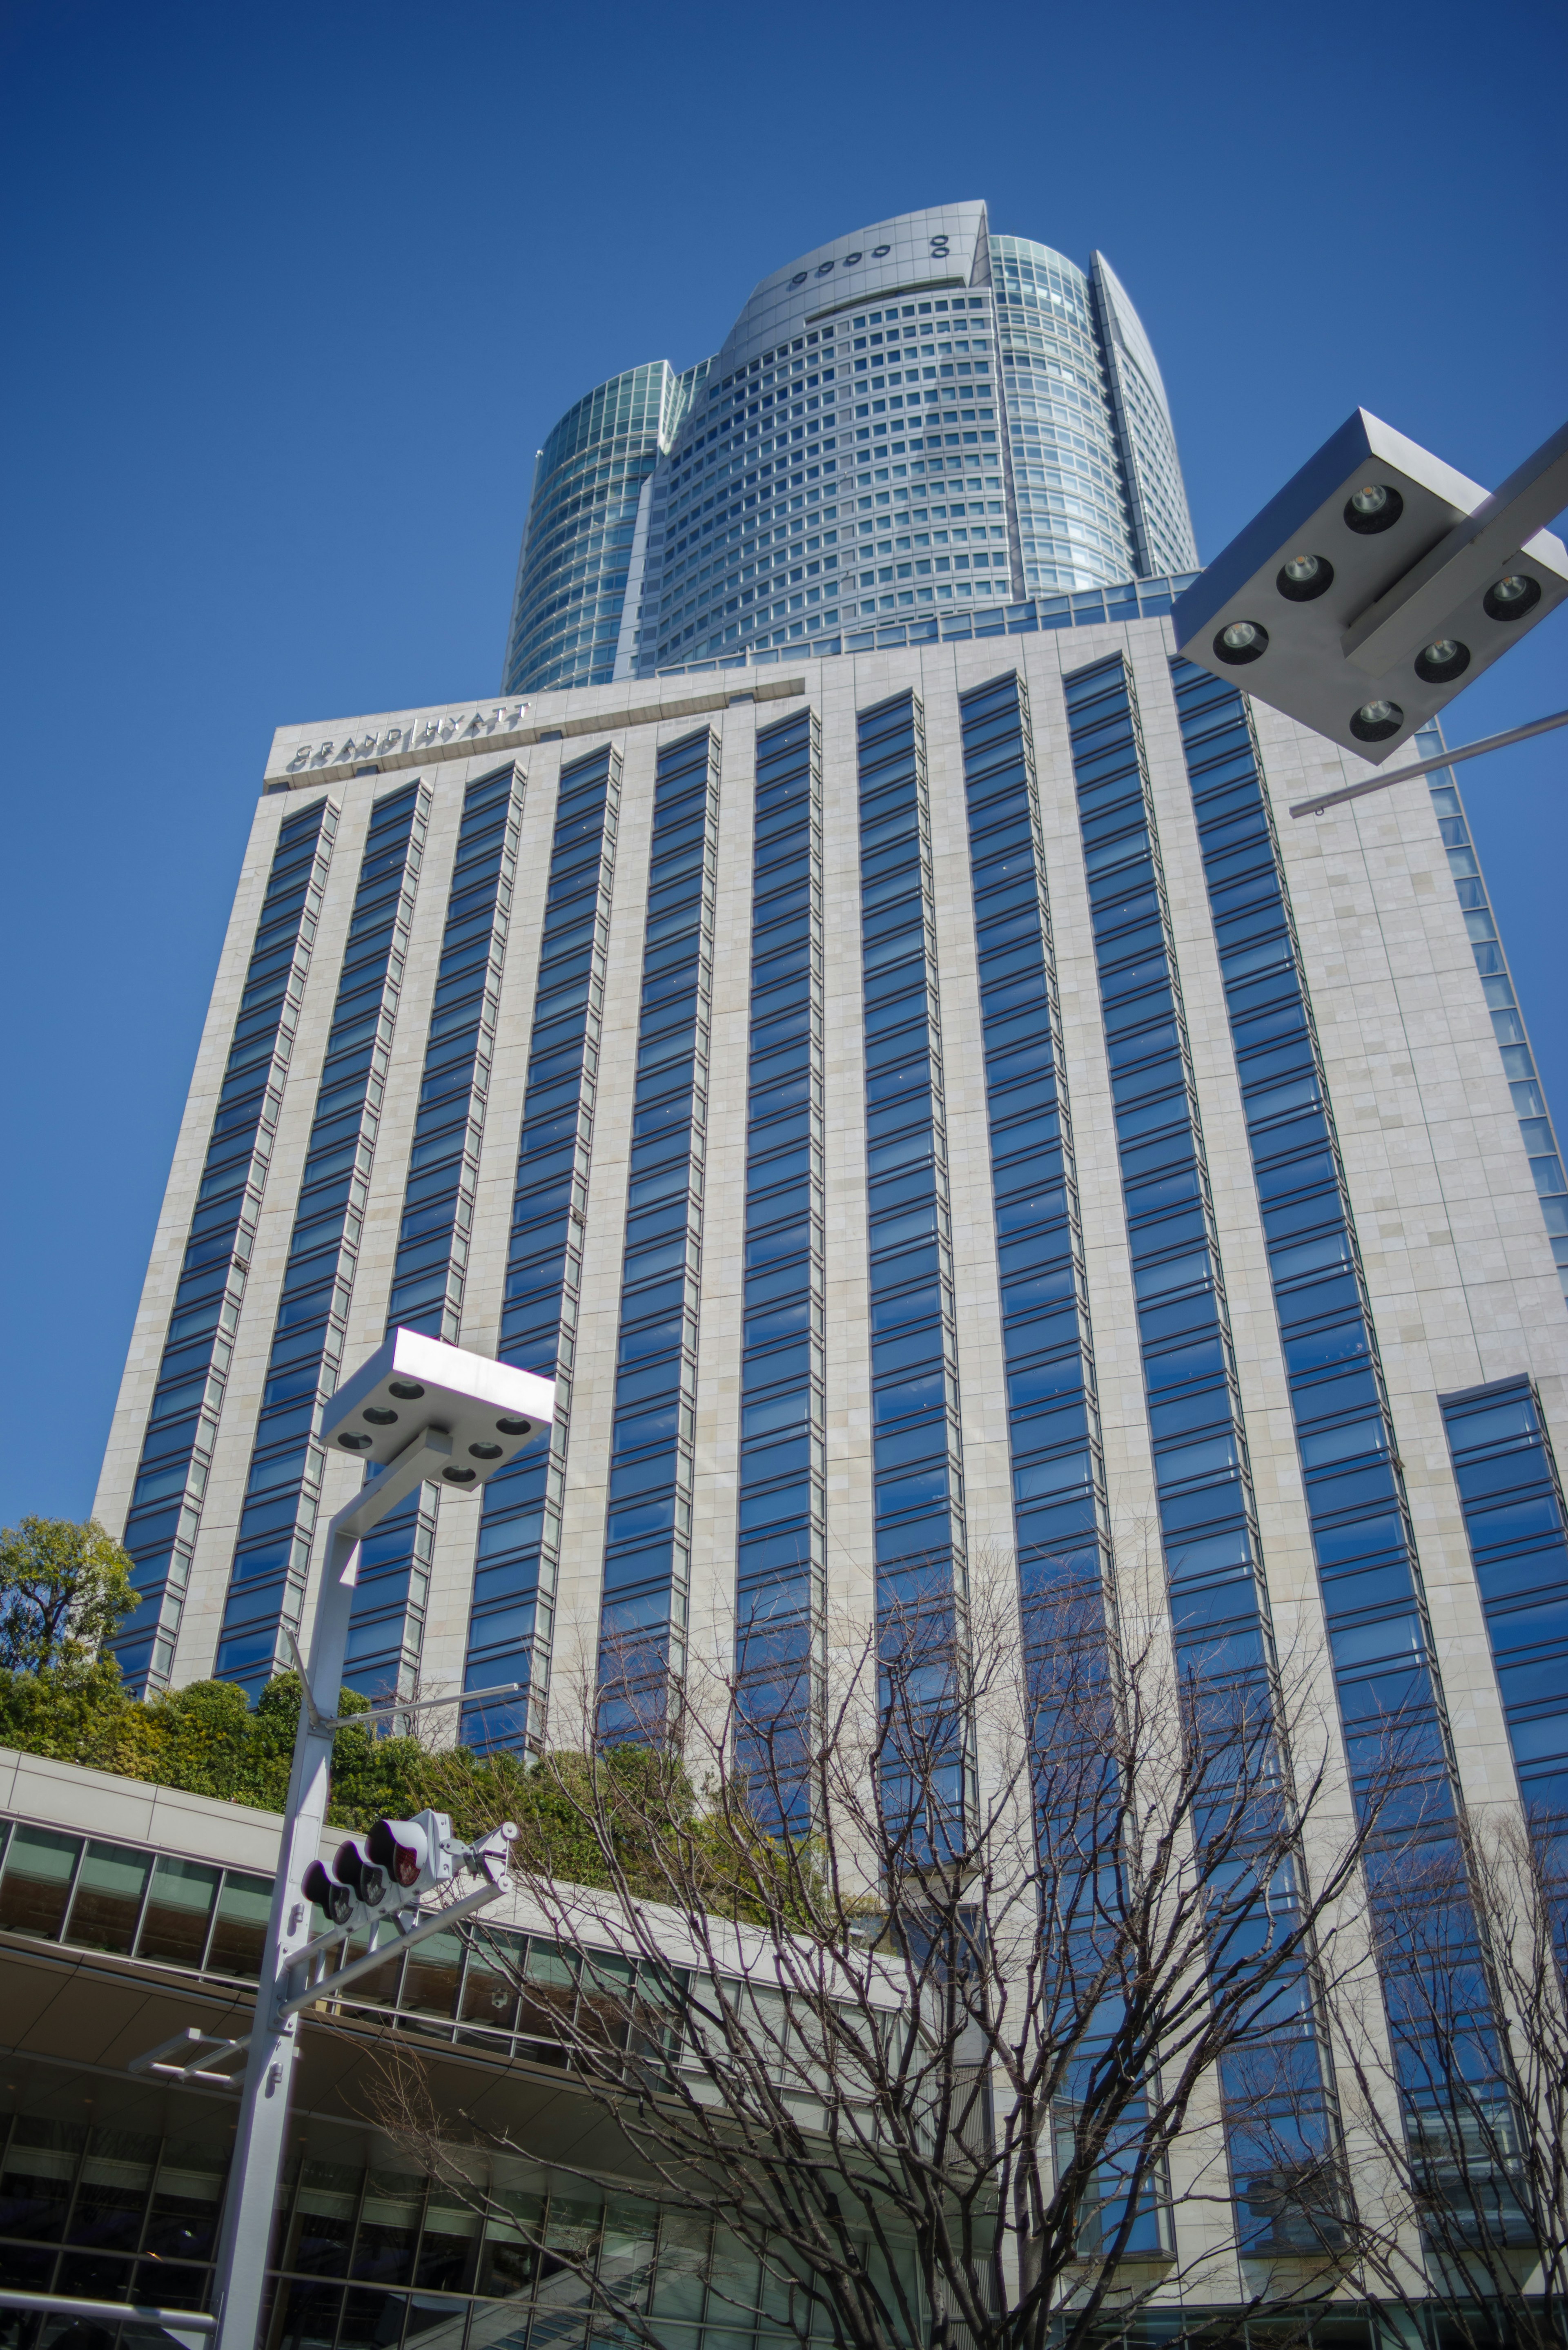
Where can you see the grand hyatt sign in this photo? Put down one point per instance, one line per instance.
(423, 735)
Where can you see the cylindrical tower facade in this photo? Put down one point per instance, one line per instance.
(919, 415)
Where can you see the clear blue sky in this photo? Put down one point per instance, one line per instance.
(292, 295)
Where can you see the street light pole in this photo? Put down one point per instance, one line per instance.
(443, 1380)
(1429, 766)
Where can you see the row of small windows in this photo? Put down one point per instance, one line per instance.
(780, 1560)
(1512, 1503)
(386, 1629)
(911, 311)
(1057, 1468)
(272, 1548)
(647, 1560)
(914, 1373)
(917, 1485)
(1384, 1672)
(770, 359)
(513, 1592)
(1365, 1555)
(944, 349)
(1208, 1520)
(182, 1422)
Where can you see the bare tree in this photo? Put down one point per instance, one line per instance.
(1459, 2085)
(929, 2058)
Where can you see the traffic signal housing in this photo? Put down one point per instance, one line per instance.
(416, 1854)
(384, 1873)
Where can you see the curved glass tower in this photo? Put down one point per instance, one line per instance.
(920, 414)
(579, 546)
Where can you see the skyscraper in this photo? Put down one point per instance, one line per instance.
(858, 1014)
(947, 1131)
(667, 1035)
(681, 516)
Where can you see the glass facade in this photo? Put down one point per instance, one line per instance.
(1508, 1021)
(1128, 600)
(1151, 469)
(386, 1629)
(1207, 1511)
(272, 1548)
(929, 838)
(370, 2255)
(1067, 464)
(781, 1532)
(513, 1593)
(918, 1491)
(970, 438)
(183, 1421)
(1384, 1661)
(647, 1530)
(1058, 1472)
(92, 1895)
(578, 550)
(1513, 1500)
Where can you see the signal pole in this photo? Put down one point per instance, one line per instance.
(454, 1396)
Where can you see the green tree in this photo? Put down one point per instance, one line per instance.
(65, 1590)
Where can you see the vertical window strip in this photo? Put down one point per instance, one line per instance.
(386, 1631)
(272, 1549)
(1208, 1527)
(779, 1549)
(918, 1482)
(1389, 1692)
(1512, 1503)
(1053, 1421)
(513, 1609)
(183, 1420)
(1208, 1520)
(647, 1561)
(1508, 1023)
(1365, 1551)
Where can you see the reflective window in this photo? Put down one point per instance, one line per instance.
(123, 1899)
(647, 1561)
(272, 1549)
(779, 1555)
(515, 1569)
(182, 1422)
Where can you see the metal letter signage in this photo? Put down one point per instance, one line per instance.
(424, 736)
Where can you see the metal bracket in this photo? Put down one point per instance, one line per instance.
(323, 1725)
(1428, 767)
(190, 2327)
(481, 1856)
(487, 1859)
(190, 2040)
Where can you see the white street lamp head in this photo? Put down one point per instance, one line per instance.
(1378, 580)
(413, 1384)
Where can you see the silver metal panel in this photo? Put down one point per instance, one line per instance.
(443, 1388)
(1314, 668)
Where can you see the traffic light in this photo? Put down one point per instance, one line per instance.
(384, 1873)
(415, 1854)
(353, 1891)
